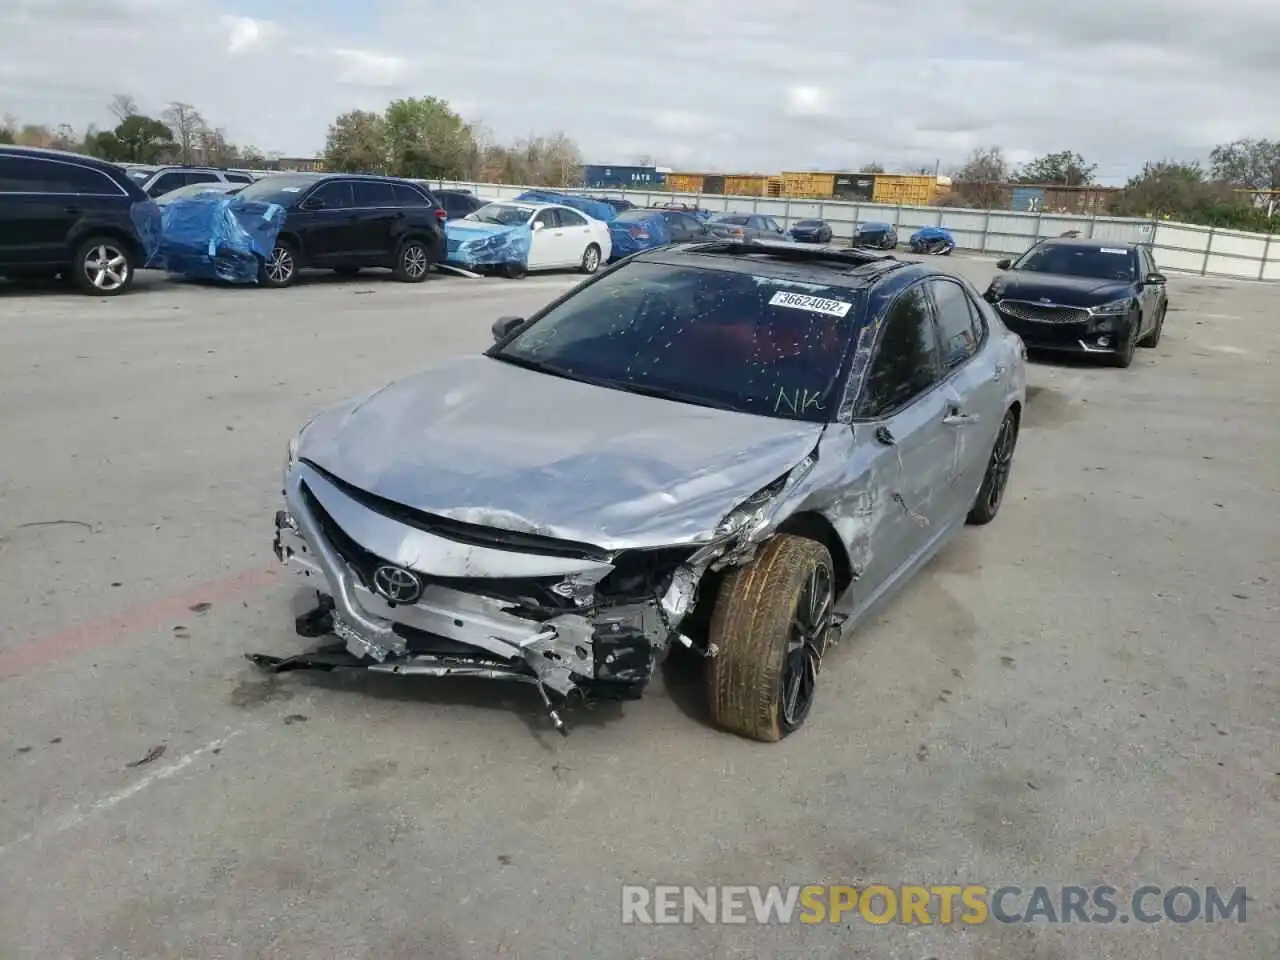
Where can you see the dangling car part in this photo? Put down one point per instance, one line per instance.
(707, 446)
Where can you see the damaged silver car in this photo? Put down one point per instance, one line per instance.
(735, 447)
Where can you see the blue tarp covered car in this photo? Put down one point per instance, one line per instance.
(473, 244)
(596, 209)
(932, 240)
(216, 237)
(636, 230)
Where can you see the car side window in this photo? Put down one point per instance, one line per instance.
(547, 218)
(202, 176)
(569, 218)
(406, 196)
(373, 193)
(906, 361)
(85, 180)
(20, 175)
(336, 194)
(166, 182)
(772, 224)
(239, 178)
(958, 328)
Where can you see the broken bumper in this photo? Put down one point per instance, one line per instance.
(470, 612)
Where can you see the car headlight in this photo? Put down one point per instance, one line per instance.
(1114, 308)
(744, 519)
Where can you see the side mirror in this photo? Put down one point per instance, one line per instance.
(1156, 278)
(1004, 264)
(538, 225)
(504, 327)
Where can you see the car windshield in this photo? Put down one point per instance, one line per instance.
(724, 339)
(1074, 260)
(505, 214)
(282, 190)
(809, 223)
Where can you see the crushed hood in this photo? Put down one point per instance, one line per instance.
(485, 442)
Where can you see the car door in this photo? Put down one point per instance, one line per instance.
(974, 382)
(326, 223)
(377, 220)
(772, 226)
(38, 208)
(543, 248)
(900, 410)
(577, 235)
(1153, 294)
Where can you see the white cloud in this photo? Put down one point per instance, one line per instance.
(733, 84)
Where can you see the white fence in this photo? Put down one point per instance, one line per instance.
(1207, 251)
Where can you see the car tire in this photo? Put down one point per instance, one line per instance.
(590, 259)
(1124, 356)
(103, 266)
(762, 679)
(280, 269)
(1153, 338)
(413, 261)
(996, 480)
(515, 271)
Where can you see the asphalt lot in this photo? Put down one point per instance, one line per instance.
(1085, 692)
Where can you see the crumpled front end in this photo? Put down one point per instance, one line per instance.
(413, 593)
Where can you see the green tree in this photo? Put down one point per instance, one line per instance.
(980, 182)
(136, 139)
(1165, 188)
(357, 143)
(8, 129)
(426, 139)
(1065, 168)
(1250, 164)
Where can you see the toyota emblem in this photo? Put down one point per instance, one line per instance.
(397, 585)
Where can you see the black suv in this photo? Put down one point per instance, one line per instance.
(81, 218)
(1083, 296)
(343, 222)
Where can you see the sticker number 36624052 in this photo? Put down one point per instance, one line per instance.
(802, 301)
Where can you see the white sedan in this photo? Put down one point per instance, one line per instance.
(559, 236)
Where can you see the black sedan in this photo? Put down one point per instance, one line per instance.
(880, 236)
(811, 231)
(1083, 296)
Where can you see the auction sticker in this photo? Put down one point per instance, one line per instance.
(1115, 250)
(802, 301)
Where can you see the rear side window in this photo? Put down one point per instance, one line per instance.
(959, 328)
(239, 178)
(34, 175)
(570, 219)
(906, 361)
(166, 182)
(202, 176)
(374, 193)
(406, 196)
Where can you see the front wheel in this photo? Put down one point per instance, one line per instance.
(1123, 357)
(590, 259)
(103, 267)
(280, 269)
(1153, 338)
(412, 262)
(996, 479)
(771, 624)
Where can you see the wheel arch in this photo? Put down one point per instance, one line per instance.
(116, 233)
(815, 526)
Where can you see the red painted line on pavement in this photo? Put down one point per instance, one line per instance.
(98, 634)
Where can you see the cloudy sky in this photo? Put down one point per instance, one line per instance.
(738, 85)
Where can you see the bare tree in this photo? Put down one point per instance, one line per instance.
(187, 126)
(980, 181)
(122, 106)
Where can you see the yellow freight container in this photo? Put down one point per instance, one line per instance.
(908, 189)
(745, 185)
(684, 182)
(806, 184)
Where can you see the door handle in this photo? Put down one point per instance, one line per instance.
(955, 418)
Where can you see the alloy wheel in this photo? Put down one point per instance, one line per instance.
(280, 265)
(107, 267)
(807, 644)
(414, 261)
(1001, 462)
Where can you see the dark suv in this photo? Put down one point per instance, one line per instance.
(1102, 297)
(64, 214)
(344, 222)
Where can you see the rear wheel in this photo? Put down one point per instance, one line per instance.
(590, 259)
(412, 262)
(771, 623)
(280, 268)
(103, 267)
(996, 479)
